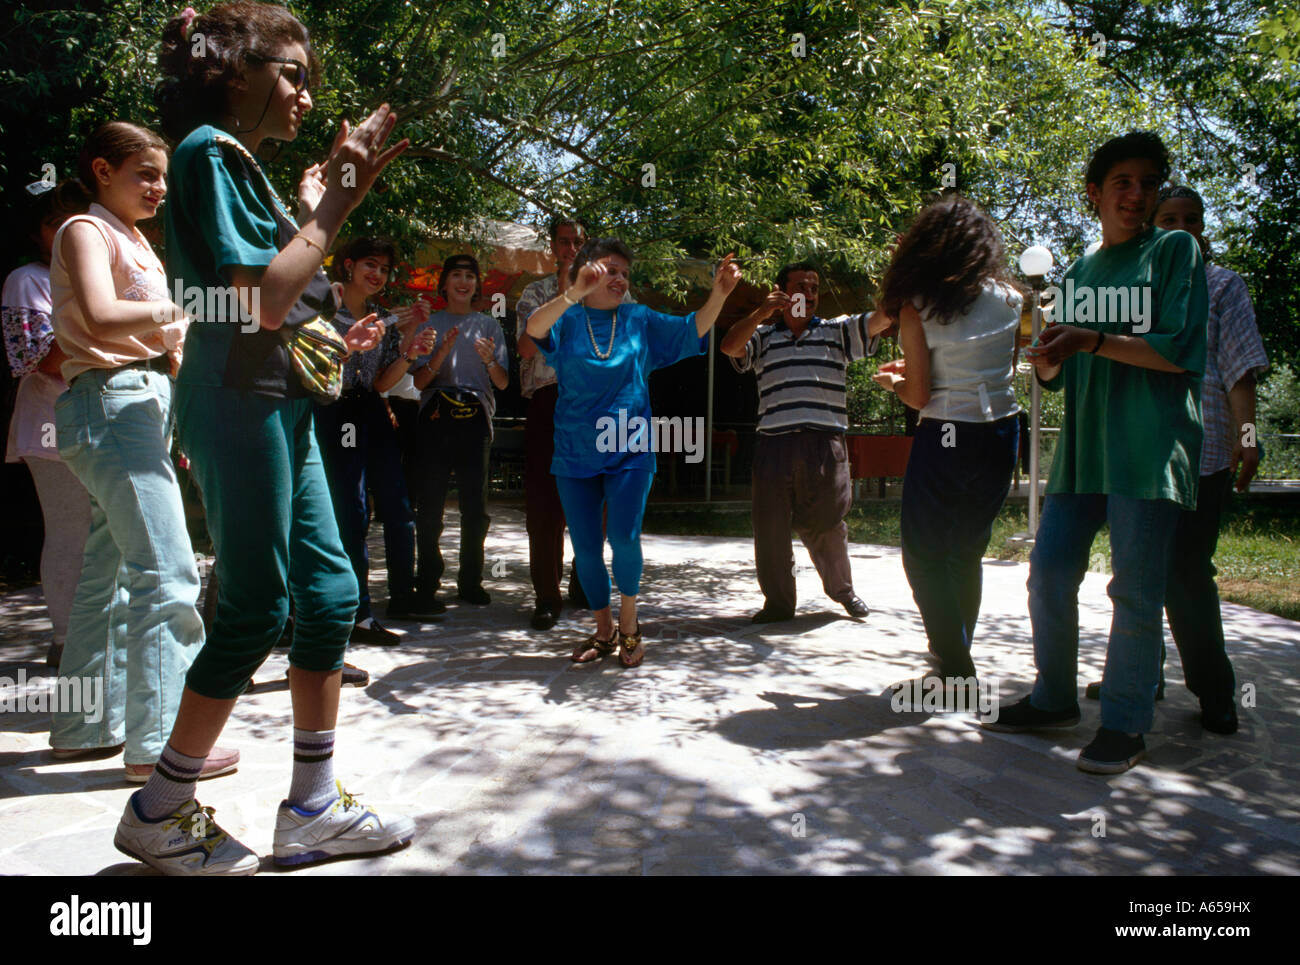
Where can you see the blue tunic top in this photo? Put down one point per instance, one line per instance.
(599, 397)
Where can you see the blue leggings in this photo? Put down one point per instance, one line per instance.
(583, 499)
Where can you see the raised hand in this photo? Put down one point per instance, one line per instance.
(727, 276)
(776, 301)
(486, 348)
(590, 277)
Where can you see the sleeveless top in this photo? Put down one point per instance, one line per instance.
(972, 358)
(137, 276)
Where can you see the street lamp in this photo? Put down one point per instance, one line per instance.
(1035, 263)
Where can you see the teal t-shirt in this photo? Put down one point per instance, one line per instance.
(602, 415)
(215, 220)
(1131, 431)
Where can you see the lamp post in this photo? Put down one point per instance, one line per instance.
(1035, 263)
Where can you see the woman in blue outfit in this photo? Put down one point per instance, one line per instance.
(603, 353)
(947, 284)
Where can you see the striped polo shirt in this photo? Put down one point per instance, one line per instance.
(801, 380)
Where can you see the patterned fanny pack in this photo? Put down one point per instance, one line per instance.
(317, 352)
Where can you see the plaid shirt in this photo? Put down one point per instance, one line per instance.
(1233, 351)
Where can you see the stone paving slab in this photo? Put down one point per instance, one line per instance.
(734, 749)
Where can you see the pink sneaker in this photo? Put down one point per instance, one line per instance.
(220, 761)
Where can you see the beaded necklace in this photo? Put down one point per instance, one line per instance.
(591, 333)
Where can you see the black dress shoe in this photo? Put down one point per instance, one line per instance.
(1219, 716)
(415, 608)
(544, 616)
(854, 606)
(771, 615)
(374, 634)
(474, 594)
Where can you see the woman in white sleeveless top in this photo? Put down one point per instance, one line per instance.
(959, 316)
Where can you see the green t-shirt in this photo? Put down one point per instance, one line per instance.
(1130, 431)
(216, 220)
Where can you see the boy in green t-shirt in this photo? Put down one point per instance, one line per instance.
(1129, 354)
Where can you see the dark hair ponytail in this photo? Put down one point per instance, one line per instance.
(201, 55)
(114, 141)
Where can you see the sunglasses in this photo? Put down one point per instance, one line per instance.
(301, 76)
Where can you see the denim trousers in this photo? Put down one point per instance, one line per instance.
(955, 484)
(274, 534)
(133, 623)
(1141, 540)
(359, 446)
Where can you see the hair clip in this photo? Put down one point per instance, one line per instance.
(37, 188)
(188, 15)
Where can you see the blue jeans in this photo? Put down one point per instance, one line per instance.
(1141, 539)
(625, 494)
(951, 495)
(370, 460)
(133, 623)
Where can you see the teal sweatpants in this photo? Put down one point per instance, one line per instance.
(274, 533)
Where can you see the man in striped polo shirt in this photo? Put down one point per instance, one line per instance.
(801, 465)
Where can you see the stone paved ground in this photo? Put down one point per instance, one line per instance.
(714, 756)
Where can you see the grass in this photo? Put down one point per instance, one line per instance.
(1258, 556)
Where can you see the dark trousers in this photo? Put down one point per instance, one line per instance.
(360, 449)
(544, 513)
(951, 495)
(407, 413)
(1192, 598)
(801, 479)
(460, 446)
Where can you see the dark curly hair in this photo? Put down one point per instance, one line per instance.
(1126, 147)
(598, 248)
(201, 57)
(784, 274)
(946, 256)
(359, 248)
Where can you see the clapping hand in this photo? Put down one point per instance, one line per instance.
(1056, 343)
(357, 157)
(364, 334)
(486, 348)
(420, 343)
(310, 190)
(890, 374)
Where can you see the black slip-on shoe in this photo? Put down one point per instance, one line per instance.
(854, 606)
(375, 634)
(474, 594)
(1219, 716)
(1022, 716)
(1111, 752)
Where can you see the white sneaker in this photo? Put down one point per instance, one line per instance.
(344, 827)
(189, 842)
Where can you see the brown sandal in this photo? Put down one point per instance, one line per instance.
(594, 648)
(631, 651)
